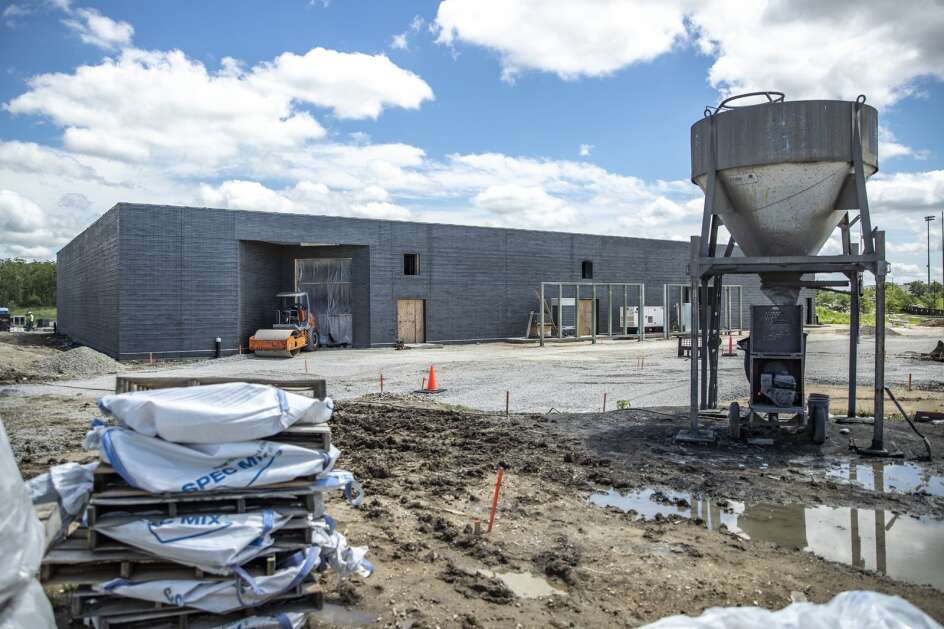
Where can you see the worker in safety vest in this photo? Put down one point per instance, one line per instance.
(29, 321)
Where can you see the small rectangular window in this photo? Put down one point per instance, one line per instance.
(411, 264)
(586, 269)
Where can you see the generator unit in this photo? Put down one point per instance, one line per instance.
(775, 364)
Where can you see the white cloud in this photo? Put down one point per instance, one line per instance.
(902, 273)
(354, 85)
(18, 214)
(889, 147)
(909, 192)
(806, 48)
(525, 205)
(585, 150)
(162, 107)
(99, 30)
(12, 12)
(29, 157)
(244, 195)
(571, 39)
(399, 41)
(24, 228)
(379, 209)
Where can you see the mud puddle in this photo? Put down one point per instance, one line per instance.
(524, 584)
(903, 547)
(339, 615)
(904, 478)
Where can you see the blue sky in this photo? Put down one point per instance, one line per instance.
(541, 114)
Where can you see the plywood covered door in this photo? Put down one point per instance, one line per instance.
(411, 320)
(586, 317)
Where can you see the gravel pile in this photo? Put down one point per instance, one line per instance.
(81, 361)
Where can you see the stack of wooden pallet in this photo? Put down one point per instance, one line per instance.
(86, 557)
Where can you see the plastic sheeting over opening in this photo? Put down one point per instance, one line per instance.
(328, 284)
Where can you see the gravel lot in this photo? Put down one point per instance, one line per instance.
(569, 377)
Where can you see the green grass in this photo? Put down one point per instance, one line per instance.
(826, 316)
(40, 312)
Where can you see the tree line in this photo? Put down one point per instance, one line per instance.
(26, 283)
(897, 297)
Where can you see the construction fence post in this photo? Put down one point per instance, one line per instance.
(642, 313)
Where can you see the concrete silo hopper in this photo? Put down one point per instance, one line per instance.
(780, 176)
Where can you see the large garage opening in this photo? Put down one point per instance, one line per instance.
(336, 278)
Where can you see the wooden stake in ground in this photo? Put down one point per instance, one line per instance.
(508, 401)
(491, 515)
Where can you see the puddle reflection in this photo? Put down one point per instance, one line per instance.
(902, 547)
(888, 477)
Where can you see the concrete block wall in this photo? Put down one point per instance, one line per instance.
(178, 277)
(179, 281)
(87, 285)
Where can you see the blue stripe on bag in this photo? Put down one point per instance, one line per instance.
(284, 621)
(116, 463)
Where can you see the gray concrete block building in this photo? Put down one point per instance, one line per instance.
(168, 281)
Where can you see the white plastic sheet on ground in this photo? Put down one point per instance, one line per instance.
(213, 542)
(336, 554)
(848, 610)
(159, 466)
(343, 480)
(29, 609)
(22, 542)
(217, 596)
(69, 486)
(286, 620)
(235, 411)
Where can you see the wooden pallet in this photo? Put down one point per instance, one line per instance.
(296, 494)
(76, 565)
(113, 611)
(295, 531)
(316, 387)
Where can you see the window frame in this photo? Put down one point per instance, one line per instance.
(416, 263)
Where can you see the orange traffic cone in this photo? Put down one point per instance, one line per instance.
(431, 385)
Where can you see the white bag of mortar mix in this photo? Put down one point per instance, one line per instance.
(213, 542)
(69, 485)
(848, 610)
(219, 596)
(159, 466)
(234, 411)
(22, 543)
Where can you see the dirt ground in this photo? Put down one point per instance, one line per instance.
(429, 472)
(19, 353)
